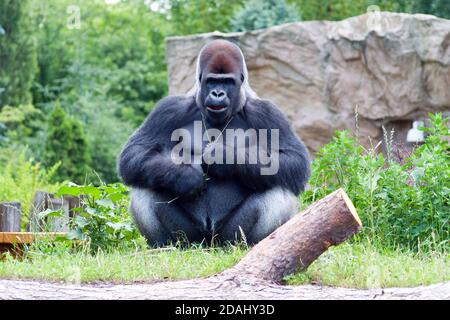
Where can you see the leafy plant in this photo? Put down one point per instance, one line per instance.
(400, 204)
(103, 219)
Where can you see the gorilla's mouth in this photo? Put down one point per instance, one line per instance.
(216, 109)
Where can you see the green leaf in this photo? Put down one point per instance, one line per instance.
(49, 213)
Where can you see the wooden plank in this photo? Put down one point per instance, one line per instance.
(27, 237)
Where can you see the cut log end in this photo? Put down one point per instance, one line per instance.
(350, 205)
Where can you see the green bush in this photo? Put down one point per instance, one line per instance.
(259, 14)
(400, 204)
(103, 220)
(20, 178)
(66, 144)
(23, 126)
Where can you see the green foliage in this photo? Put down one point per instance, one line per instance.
(189, 17)
(106, 132)
(20, 178)
(117, 55)
(259, 14)
(22, 121)
(440, 8)
(342, 9)
(17, 53)
(103, 220)
(399, 204)
(108, 74)
(67, 145)
(22, 126)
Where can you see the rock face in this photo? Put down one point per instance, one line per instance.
(389, 67)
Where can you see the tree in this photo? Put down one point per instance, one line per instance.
(342, 9)
(440, 8)
(66, 143)
(259, 14)
(17, 53)
(199, 16)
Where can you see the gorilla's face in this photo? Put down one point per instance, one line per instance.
(220, 96)
(220, 78)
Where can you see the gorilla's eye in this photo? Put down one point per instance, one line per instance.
(242, 77)
(200, 78)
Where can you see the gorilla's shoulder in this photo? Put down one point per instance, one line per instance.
(177, 104)
(173, 108)
(264, 114)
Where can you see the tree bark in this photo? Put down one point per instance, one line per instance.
(301, 240)
(9, 216)
(293, 246)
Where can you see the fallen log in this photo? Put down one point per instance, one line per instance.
(296, 244)
(293, 246)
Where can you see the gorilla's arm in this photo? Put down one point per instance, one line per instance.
(294, 162)
(145, 160)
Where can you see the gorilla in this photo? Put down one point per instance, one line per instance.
(209, 200)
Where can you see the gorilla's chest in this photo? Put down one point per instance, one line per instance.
(221, 196)
(198, 138)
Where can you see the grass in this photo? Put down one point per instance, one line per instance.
(364, 265)
(349, 265)
(120, 265)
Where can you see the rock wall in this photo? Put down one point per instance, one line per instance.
(390, 67)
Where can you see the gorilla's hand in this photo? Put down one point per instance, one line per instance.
(218, 170)
(190, 183)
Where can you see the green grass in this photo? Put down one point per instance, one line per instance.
(121, 266)
(363, 265)
(349, 265)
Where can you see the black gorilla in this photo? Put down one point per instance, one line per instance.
(211, 200)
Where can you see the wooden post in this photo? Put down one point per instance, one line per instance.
(59, 224)
(43, 201)
(73, 202)
(10, 217)
(39, 204)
